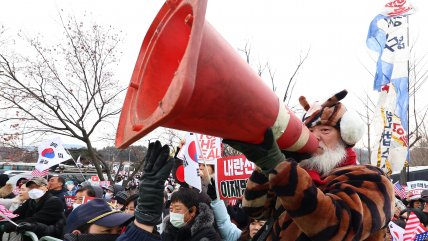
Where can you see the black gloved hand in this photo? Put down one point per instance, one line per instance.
(211, 190)
(25, 226)
(157, 166)
(265, 155)
(8, 227)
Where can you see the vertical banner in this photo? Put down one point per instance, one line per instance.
(232, 175)
(388, 36)
(390, 148)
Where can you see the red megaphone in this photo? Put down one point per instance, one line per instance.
(187, 77)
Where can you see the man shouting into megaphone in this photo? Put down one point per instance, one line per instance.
(324, 197)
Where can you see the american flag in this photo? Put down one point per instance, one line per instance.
(6, 213)
(399, 190)
(421, 236)
(421, 228)
(413, 227)
(37, 173)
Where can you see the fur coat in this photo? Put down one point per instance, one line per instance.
(353, 203)
(7, 191)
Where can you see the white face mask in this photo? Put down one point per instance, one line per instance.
(75, 205)
(36, 193)
(176, 219)
(108, 195)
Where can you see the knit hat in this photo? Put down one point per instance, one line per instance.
(333, 113)
(121, 197)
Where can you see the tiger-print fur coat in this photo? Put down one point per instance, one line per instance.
(355, 203)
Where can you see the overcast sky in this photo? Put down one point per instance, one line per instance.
(277, 31)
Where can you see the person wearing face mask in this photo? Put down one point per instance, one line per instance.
(94, 221)
(109, 193)
(190, 218)
(81, 194)
(43, 214)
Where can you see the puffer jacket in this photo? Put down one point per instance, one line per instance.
(355, 203)
(200, 228)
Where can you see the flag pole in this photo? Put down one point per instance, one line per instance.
(408, 101)
(205, 165)
(84, 178)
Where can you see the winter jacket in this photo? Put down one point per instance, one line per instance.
(6, 191)
(355, 203)
(48, 210)
(60, 194)
(227, 229)
(133, 232)
(202, 226)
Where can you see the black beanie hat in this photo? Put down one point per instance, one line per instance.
(3, 179)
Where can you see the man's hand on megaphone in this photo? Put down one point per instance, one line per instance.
(265, 155)
(157, 167)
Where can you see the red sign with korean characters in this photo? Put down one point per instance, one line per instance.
(232, 175)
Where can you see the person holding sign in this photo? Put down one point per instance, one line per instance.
(324, 197)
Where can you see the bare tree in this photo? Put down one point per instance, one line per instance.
(262, 67)
(367, 116)
(418, 77)
(171, 137)
(292, 81)
(140, 153)
(66, 89)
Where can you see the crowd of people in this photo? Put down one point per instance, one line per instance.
(323, 196)
(404, 207)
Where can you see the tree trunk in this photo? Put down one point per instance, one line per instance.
(94, 159)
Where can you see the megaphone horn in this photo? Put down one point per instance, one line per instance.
(187, 77)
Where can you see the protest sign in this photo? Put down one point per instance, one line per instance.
(210, 148)
(69, 200)
(232, 175)
(416, 187)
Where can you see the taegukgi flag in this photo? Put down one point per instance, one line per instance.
(191, 152)
(51, 153)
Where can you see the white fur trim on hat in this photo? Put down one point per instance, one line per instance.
(351, 128)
